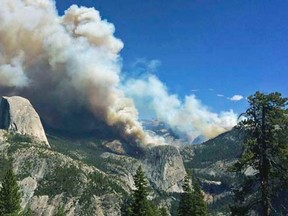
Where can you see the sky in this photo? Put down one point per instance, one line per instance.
(214, 49)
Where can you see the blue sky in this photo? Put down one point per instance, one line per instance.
(204, 47)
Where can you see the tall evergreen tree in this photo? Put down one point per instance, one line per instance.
(199, 205)
(9, 195)
(192, 201)
(265, 152)
(140, 205)
(163, 212)
(186, 200)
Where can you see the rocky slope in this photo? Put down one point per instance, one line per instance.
(209, 161)
(85, 175)
(49, 179)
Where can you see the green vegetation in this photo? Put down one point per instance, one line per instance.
(102, 184)
(199, 206)
(9, 195)
(18, 141)
(210, 162)
(264, 133)
(163, 212)
(192, 201)
(60, 180)
(87, 150)
(139, 205)
(18, 138)
(27, 212)
(4, 166)
(265, 152)
(226, 146)
(99, 185)
(186, 200)
(221, 205)
(60, 211)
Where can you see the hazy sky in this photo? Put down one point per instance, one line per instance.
(211, 48)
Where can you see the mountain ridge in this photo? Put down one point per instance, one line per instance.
(85, 177)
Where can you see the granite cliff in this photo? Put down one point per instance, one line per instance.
(18, 115)
(84, 175)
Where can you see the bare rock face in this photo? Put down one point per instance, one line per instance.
(164, 167)
(18, 115)
(115, 147)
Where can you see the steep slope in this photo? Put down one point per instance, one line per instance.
(226, 146)
(18, 115)
(84, 174)
(209, 162)
(49, 179)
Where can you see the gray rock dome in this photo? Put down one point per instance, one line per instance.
(18, 115)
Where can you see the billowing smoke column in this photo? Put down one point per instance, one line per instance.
(68, 66)
(189, 117)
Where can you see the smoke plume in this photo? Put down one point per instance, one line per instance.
(68, 66)
(189, 117)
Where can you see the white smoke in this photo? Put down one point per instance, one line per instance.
(190, 116)
(12, 74)
(68, 66)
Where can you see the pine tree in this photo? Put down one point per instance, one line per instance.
(199, 205)
(60, 211)
(140, 205)
(186, 201)
(265, 151)
(192, 201)
(163, 212)
(9, 195)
